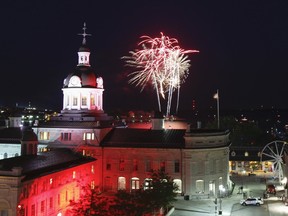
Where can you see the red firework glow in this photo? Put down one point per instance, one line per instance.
(163, 63)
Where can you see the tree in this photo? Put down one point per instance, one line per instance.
(91, 202)
(163, 190)
(159, 193)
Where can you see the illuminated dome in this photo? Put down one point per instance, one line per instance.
(86, 75)
(83, 76)
(84, 48)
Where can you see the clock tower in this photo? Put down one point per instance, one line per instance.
(83, 90)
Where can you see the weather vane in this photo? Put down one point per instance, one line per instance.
(84, 34)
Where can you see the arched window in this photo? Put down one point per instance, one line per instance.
(121, 183)
(199, 186)
(178, 182)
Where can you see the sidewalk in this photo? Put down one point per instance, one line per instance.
(205, 206)
(252, 187)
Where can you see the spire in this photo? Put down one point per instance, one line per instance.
(84, 34)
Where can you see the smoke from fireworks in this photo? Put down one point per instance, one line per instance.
(161, 62)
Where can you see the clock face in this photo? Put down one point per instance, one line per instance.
(75, 81)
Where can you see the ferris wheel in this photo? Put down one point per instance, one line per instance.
(275, 152)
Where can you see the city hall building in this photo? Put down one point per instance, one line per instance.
(120, 157)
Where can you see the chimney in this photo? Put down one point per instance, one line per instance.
(29, 142)
(158, 121)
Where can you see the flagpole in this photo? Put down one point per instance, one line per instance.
(218, 121)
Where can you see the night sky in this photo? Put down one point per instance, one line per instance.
(243, 50)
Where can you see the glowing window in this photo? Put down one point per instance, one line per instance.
(121, 183)
(92, 100)
(88, 136)
(44, 135)
(178, 183)
(200, 186)
(135, 185)
(92, 169)
(74, 175)
(51, 181)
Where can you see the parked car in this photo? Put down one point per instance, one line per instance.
(252, 201)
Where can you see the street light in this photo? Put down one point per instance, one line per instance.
(221, 193)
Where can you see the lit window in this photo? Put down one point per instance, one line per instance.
(92, 169)
(44, 135)
(74, 175)
(88, 136)
(178, 183)
(199, 186)
(135, 183)
(246, 154)
(92, 100)
(51, 181)
(121, 183)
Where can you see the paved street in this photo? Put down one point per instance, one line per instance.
(252, 185)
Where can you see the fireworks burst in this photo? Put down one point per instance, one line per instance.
(161, 62)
